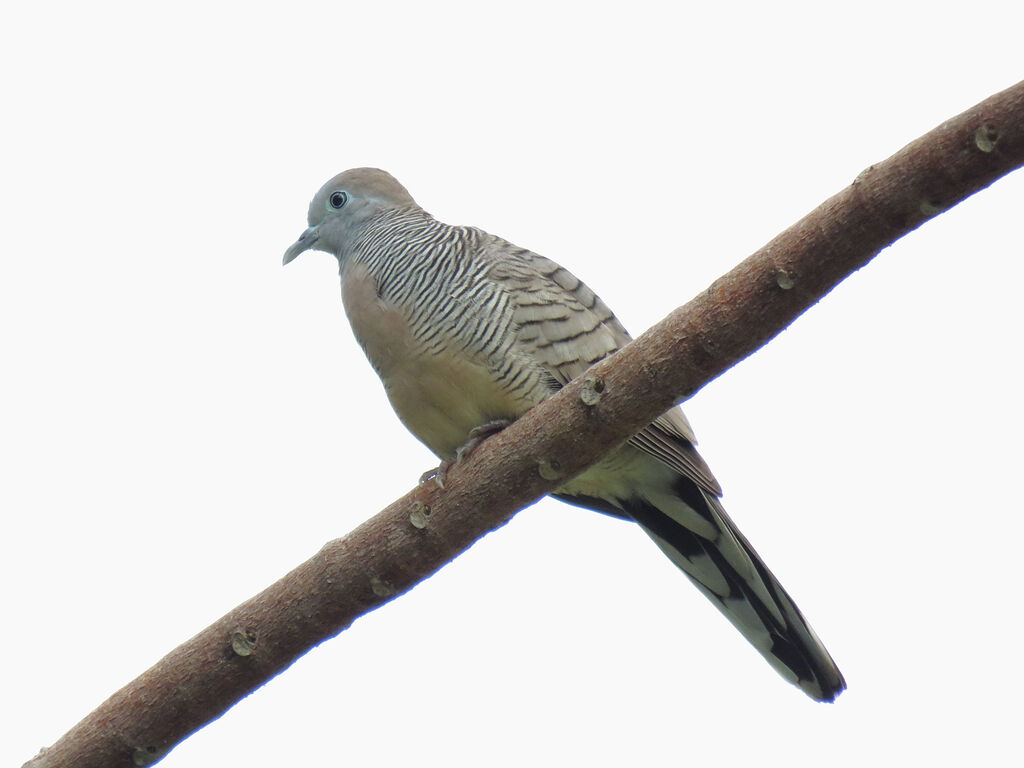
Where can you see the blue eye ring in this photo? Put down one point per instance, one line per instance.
(338, 199)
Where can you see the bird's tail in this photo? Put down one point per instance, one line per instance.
(720, 561)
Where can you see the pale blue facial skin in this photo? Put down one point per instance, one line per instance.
(341, 207)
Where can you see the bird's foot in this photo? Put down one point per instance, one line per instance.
(476, 436)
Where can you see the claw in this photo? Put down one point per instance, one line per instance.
(439, 472)
(476, 436)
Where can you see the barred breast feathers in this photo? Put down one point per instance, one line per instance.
(439, 276)
(522, 316)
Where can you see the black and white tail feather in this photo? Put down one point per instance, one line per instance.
(737, 582)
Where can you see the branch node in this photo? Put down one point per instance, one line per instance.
(985, 137)
(784, 280)
(419, 514)
(147, 755)
(591, 391)
(550, 469)
(243, 641)
(862, 176)
(381, 588)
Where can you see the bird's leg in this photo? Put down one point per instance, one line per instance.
(476, 436)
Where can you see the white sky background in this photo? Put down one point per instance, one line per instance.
(183, 420)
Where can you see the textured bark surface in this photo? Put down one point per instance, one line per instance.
(421, 532)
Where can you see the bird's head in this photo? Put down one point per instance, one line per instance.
(342, 207)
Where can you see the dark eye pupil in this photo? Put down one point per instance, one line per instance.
(338, 199)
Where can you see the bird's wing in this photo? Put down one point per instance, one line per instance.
(670, 440)
(563, 326)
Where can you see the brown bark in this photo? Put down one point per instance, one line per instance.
(418, 534)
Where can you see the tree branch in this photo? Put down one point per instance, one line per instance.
(425, 529)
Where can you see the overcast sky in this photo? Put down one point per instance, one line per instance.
(183, 420)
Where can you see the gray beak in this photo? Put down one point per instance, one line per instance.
(306, 241)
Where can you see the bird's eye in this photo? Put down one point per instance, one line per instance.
(338, 199)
